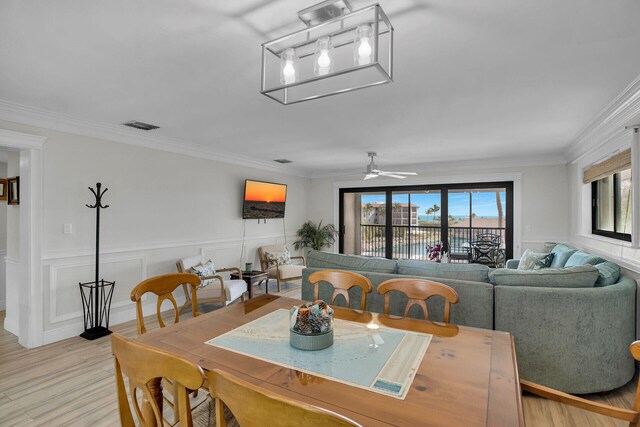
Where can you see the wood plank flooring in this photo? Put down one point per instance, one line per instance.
(71, 383)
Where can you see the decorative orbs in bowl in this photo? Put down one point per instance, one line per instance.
(311, 326)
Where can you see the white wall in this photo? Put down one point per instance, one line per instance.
(541, 204)
(3, 243)
(12, 259)
(163, 207)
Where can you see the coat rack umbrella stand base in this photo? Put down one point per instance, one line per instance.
(96, 295)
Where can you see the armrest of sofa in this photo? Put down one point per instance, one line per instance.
(512, 264)
(571, 339)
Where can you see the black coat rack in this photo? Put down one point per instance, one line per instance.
(96, 295)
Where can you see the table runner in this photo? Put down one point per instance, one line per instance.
(381, 360)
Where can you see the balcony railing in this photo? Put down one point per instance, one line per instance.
(412, 242)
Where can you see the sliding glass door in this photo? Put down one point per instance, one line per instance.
(422, 216)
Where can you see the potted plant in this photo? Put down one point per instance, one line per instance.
(315, 236)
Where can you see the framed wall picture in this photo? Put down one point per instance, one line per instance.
(3, 189)
(13, 185)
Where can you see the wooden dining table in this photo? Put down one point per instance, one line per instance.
(468, 376)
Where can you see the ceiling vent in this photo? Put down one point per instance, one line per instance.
(283, 161)
(140, 125)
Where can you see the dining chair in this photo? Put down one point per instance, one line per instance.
(163, 287)
(341, 281)
(142, 365)
(630, 415)
(254, 406)
(418, 291)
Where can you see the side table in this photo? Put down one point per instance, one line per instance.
(252, 278)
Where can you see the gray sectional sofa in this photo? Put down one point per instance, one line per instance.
(572, 323)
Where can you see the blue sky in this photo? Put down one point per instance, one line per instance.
(484, 203)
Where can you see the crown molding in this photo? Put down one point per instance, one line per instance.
(13, 112)
(480, 166)
(608, 124)
(11, 139)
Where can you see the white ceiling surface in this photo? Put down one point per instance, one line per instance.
(473, 79)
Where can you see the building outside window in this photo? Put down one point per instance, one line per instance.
(612, 206)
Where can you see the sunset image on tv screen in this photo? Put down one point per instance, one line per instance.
(264, 200)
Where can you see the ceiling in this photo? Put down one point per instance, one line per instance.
(473, 79)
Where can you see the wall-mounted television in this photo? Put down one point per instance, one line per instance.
(263, 200)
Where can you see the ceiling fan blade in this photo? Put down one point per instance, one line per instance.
(401, 173)
(391, 175)
(370, 176)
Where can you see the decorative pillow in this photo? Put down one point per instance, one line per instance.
(283, 258)
(583, 258)
(608, 273)
(561, 253)
(534, 261)
(204, 270)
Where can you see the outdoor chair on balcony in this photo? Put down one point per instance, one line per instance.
(484, 252)
(488, 237)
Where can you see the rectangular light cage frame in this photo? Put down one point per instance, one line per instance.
(346, 76)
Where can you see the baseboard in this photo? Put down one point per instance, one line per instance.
(10, 326)
(76, 328)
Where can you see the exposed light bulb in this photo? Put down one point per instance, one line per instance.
(363, 49)
(324, 61)
(288, 71)
(323, 58)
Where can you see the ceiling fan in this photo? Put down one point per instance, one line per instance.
(374, 172)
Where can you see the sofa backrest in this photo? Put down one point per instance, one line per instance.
(471, 272)
(582, 276)
(328, 260)
(475, 307)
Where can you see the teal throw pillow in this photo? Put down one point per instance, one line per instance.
(561, 253)
(608, 273)
(534, 261)
(583, 258)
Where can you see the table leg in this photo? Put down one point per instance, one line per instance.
(250, 287)
(155, 386)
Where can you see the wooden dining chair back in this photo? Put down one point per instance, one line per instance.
(143, 365)
(341, 281)
(253, 406)
(630, 415)
(419, 291)
(163, 287)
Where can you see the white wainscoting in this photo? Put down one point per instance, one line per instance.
(3, 282)
(128, 266)
(12, 267)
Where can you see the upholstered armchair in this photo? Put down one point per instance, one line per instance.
(279, 265)
(215, 288)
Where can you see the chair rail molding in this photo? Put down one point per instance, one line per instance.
(30, 296)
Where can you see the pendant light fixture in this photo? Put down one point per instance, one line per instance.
(341, 50)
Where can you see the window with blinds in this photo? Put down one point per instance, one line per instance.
(612, 205)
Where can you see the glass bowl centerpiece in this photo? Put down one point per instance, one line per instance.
(311, 326)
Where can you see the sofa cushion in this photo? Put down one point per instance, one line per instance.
(561, 253)
(608, 273)
(319, 259)
(534, 261)
(471, 272)
(583, 258)
(582, 276)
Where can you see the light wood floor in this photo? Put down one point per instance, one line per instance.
(71, 383)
